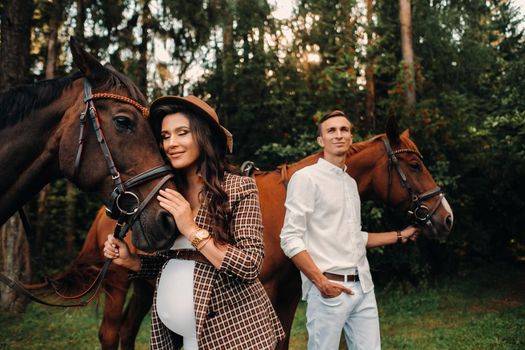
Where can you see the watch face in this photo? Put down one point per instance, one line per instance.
(202, 234)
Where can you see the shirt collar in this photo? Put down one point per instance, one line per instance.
(326, 165)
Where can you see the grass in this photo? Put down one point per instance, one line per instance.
(483, 310)
(41, 327)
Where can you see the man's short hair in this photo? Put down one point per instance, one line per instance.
(336, 113)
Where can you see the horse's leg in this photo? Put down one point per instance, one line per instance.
(116, 291)
(138, 307)
(283, 286)
(286, 305)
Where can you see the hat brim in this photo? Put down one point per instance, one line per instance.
(179, 100)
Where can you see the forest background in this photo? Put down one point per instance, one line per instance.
(270, 78)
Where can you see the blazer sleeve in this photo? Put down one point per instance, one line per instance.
(150, 266)
(244, 258)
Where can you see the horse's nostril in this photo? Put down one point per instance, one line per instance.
(449, 222)
(166, 221)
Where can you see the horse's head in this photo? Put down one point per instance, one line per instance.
(400, 179)
(121, 162)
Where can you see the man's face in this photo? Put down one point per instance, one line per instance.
(336, 136)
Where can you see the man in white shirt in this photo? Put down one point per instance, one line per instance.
(322, 235)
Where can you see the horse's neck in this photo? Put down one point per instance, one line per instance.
(360, 166)
(29, 155)
(311, 159)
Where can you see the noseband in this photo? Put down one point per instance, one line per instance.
(123, 204)
(420, 213)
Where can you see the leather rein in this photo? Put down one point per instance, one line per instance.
(123, 205)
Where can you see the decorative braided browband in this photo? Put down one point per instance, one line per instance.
(141, 108)
(408, 150)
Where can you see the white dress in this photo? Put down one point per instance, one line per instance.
(175, 296)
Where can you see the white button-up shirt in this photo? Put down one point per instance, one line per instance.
(323, 217)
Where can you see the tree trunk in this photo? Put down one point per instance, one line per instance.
(15, 64)
(369, 71)
(70, 222)
(81, 18)
(14, 49)
(142, 71)
(55, 19)
(14, 262)
(227, 61)
(405, 19)
(52, 44)
(41, 214)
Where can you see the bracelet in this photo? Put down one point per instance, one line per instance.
(205, 242)
(399, 237)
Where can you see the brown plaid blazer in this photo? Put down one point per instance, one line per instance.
(232, 309)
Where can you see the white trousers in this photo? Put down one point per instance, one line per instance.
(356, 315)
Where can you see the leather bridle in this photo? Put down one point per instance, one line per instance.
(123, 205)
(420, 213)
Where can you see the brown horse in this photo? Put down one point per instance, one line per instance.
(40, 126)
(369, 162)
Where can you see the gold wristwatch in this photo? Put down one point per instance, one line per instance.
(199, 237)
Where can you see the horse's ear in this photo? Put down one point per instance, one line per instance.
(89, 65)
(406, 133)
(392, 130)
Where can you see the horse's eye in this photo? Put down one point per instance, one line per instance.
(123, 123)
(414, 166)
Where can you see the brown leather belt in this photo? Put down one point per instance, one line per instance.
(187, 254)
(341, 278)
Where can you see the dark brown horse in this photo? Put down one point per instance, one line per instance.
(407, 186)
(57, 128)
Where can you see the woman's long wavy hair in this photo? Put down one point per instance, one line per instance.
(211, 164)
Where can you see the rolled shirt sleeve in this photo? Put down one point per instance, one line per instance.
(300, 204)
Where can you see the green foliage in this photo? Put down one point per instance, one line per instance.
(51, 256)
(275, 153)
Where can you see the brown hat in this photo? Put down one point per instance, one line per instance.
(197, 105)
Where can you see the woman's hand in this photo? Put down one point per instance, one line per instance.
(180, 208)
(118, 251)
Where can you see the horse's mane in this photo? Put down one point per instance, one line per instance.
(354, 148)
(19, 101)
(359, 146)
(312, 158)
